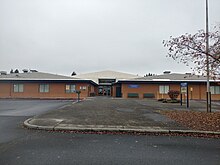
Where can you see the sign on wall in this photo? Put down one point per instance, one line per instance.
(133, 86)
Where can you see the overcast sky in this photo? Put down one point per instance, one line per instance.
(62, 36)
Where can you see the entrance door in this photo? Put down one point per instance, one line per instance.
(118, 91)
(108, 90)
(104, 90)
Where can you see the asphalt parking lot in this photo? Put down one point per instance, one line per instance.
(24, 146)
(194, 105)
(112, 112)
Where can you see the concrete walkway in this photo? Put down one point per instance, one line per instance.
(111, 114)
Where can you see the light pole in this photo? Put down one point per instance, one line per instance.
(208, 94)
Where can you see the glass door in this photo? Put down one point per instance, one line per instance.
(104, 90)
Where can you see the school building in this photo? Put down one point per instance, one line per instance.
(38, 85)
(158, 86)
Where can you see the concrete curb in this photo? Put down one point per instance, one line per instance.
(98, 128)
(31, 126)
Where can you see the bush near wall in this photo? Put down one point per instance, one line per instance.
(173, 94)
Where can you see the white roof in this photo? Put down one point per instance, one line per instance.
(108, 74)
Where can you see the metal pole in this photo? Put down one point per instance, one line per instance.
(187, 96)
(181, 99)
(207, 60)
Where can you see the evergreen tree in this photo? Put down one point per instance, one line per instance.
(16, 71)
(73, 74)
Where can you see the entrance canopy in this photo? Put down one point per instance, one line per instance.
(106, 79)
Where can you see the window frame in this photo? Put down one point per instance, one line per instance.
(71, 89)
(215, 90)
(45, 89)
(20, 88)
(164, 89)
(83, 88)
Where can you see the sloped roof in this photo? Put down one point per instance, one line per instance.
(35, 76)
(107, 74)
(174, 77)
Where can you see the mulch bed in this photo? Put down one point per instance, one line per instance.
(196, 120)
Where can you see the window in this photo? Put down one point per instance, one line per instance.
(18, 87)
(82, 88)
(44, 88)
(215, 89)
(164, 89)
(70, 88)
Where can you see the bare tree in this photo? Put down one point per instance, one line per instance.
(191, 48)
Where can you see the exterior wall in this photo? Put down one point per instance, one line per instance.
(196, 91)
(215, 97)
(5, 90)
(96, 90)
(56, 91)
(114, 91)
(91, 90)
(143, 88)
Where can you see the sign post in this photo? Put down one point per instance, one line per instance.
(184, 90)
(78, 94)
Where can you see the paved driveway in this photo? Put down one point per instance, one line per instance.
(104, 111)
(14, 112)
(194, 105)
(22, 107)
(24, 147)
